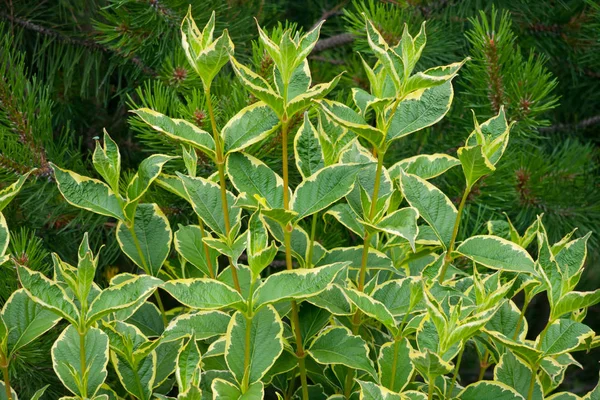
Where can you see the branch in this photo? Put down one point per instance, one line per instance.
(583, 124)
(77, 41)
(339, 40)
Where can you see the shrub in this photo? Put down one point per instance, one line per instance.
(389, 319)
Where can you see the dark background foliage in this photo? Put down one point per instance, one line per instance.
(69, 68)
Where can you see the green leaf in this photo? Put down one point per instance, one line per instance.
(87, 193)
(148, 320)
(489, 390)
(258, 86)
(429, 364)
(307, 149)
(418, 110)
(148, 171)
(48, 294)
(251, 176)
(38, 394)
(26, 320)
(201, 325)
(346, 216)
(188, 243)
(563, 336)
(149, 244)
(122, 295)
(203, 293)
(400, 296)
(296, 284)
(3, 392)
(433, 205)
(517, 374)
(350, 119)
(9, 192)
(433, 76)
(425, 166)
(381, 49)
(574, 301)
(4, 236)
(304, 100)
(252, 124)
(324, 188)
(395, 366)
(107, 161)
(523, 350)
(474, 163)
(137, 373)
(66, 360)
(371, 308)
(265, 344)
(333, 300)
(372, 391)
(496, 253)
(179, 130)
(402, 223)
(376, 260)
(228, 391)
(337, 345)
(189, 366)
(207, 56)
(205, 197)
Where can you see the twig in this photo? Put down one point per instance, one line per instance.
(583, 124)
(330, 13)
(339, 40)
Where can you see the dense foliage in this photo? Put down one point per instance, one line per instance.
(391, 317)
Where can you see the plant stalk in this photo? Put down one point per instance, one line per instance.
(211, 271)
(456, 371)
(83, 364)
(221, 168)
(6, 375)
(287, 236)
(431, 388)
(448, 257)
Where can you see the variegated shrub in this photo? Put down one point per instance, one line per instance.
(388, 319)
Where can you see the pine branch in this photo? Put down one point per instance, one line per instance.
(42, 30)
(339, 40)
(583, 124)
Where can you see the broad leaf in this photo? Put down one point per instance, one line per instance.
(307, 149)
(251, 176)
(48, 294)
(148, 243)
(425, 166)
(371, 391)
(26, 320)
(122, 295)
(148, 171)
(252, 124)
(517, 374)
(87, 193)
(296, 284)
(563, 336)
(67, 360)
(324, 188)
(338, 345)
(395, 367)
(178, 129)
(203, 293)
(497, 253)
(249, 360)
(433, 205)
(9, 192)
(107, 161)
(489, 390)
(201, 325)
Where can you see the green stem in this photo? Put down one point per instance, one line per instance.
(211, 271)
(532, 383)
(521, 316)
(448, 257)
(83, 364)
(4, 366)
(456, 371)
(159, 303)
(313, 230)
(287, 237)
(483, 365)
(248, 344)
(394, 365)
(431, 388)
(349, 384)
(220, 161)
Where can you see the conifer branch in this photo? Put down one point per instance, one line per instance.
(75, 41)
(339, 40)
